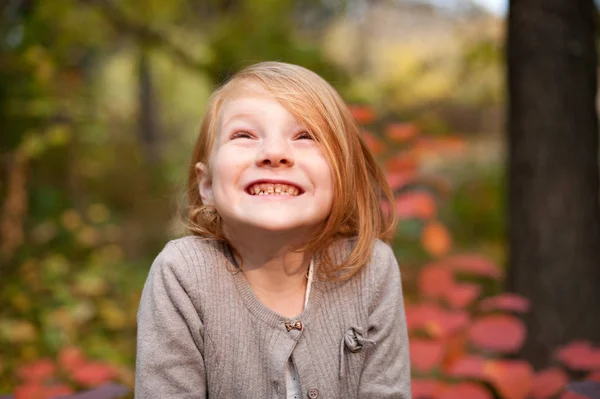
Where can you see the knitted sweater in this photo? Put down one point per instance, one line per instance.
(202, 332)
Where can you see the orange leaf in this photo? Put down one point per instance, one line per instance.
(37, 372)
(401, 132)
(438, 146)
(415, 204)
(456, 348)
(436, 239)
(470, 366)
(362, 114)
(425, 354)
(93, 374)
(375, 144)
(425, 388)
(466, 390)
(499, 332)
(462, 295)
(579, 355)
(402, 162)
(512, 378)
(473, 264)
(435, 281)
(507, 301)
(547, 383)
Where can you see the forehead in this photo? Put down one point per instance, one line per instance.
(246, 99)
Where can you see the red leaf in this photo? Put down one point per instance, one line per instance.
(402, 162)
(375, 144)
(468, 367)
(71, 358)
(462, 295)
(512, 378)
(397, 180)
(418, 315)
(579, 355)
(435, 281)
(37, 372)
(425, 388)
(465, 390)
(415, 204)
(447, 323)
(36, 391)
(473, 264)
(500, 333)
(435, 320)
(401, 132)
(93, 374)
(507, 301)
(571, 395)
(362, 114)
(548, 383)
(593, 376)
(425, 354)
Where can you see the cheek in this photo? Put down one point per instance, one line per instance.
(227, 169)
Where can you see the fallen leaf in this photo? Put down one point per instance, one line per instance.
(548, 383)
(499, 333)
(512, 378)
(507, 301)
(579, 355)
(425, 354)
(465, 390)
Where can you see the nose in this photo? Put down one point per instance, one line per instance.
(275, 153)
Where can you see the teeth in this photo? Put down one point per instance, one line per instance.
(273, 189)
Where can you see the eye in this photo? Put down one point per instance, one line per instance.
(242, 134)
(304, 135)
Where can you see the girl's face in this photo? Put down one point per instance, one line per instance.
(266, 170)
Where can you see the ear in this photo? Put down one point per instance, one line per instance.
(204, 183)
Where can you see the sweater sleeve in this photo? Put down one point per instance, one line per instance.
(386, 370)
(169, 362)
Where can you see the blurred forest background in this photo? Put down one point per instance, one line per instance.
(100, 103)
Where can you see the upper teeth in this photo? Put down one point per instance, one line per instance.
(273, 189)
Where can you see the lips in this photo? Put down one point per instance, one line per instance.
(274, 187)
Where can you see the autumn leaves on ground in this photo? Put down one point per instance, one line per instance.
(463, 329)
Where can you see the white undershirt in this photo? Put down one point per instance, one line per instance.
(291, 375)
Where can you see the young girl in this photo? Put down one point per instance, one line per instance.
(285, 289)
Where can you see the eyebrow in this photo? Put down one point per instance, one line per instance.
(237, 116)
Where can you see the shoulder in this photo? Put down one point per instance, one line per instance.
(187, 254)
(382, 273)
(382, 256)
(190, 246)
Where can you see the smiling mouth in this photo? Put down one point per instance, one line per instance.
(274, 189)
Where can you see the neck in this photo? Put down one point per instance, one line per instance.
(271, 262)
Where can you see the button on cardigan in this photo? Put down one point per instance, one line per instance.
(203, 333)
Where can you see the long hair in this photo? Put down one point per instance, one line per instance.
(359, 184)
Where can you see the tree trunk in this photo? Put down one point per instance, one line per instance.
(554, 211)
(148, 117)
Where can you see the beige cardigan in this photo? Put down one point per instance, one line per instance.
(203, 333)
